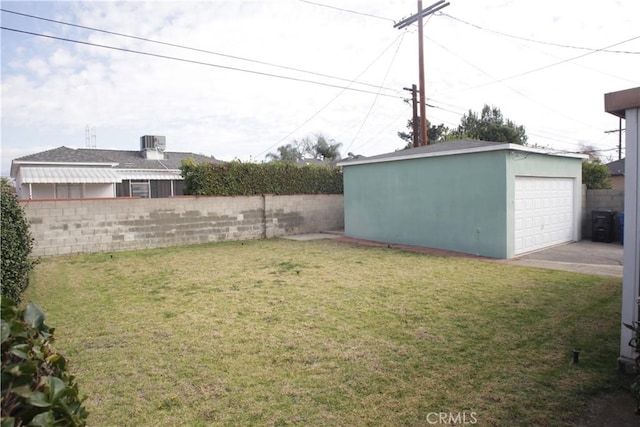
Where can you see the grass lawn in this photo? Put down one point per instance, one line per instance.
(279, 332)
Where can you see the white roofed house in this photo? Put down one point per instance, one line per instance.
(68, 173)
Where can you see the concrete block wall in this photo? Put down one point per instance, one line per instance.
(286, 215)
(602, 200)
(62, 227)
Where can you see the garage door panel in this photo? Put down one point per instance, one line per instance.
(543, 212)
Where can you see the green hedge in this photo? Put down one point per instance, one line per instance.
(248, 179)
(16, 247)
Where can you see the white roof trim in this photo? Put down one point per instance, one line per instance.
(31, 175)
(499, 147)
(150, 174)
(16, 165)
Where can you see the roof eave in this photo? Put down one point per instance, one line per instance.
(497, 147)
(617, 103)
(34, 162)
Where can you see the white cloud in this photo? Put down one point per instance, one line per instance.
(61, 86)
(61, 58)
(38, 66)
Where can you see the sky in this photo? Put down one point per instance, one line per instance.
(237, 79)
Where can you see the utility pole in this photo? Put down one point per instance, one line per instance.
(414, 121)
(619, 130)
(405, 23)
(423, 108)
(620, 138)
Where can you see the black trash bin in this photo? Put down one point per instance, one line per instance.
(621, 220)
(602, 226)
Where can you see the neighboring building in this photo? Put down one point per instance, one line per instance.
(616, 170)
(67, 173)
(491, 199)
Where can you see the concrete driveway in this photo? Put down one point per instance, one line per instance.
(583, 257)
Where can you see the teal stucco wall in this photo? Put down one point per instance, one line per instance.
(454, 202)
(462, 202)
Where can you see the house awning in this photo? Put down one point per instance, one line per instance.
(56, 175)
(133, 174)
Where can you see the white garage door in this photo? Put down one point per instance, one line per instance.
(543, 212)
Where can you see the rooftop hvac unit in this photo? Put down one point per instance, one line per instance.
(160, 143)
(153, 142)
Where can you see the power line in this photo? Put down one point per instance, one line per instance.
(328, 103)
(394, 120)
(603, 150)
(208, 64)
(284, 67)
(376, 97)
(465, 110)
(529, 129)
(346, 10)
(536, 41)
(446, 109)
(450, 105)
(547, 53)
(509, 87)
(540, 68)
(583, 65)
(551, 138)
(377, 134)
(569, 139)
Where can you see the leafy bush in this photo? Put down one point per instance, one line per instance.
(248, 179)
(596, 175)
(16, 246)
(36, 387)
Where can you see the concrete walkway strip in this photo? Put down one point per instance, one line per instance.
(313, 236)
(599, 269)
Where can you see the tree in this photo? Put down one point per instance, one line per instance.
(490, 125)
(435, 134)
(286, 153)
(16, 245)
(324, 149)
(319, 147)
(596, 175)
(6, 185)
(591, 151)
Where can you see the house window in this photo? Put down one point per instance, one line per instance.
(69, 191)
(123, 188)
(160, 188)
(140, 189)
(178, 188)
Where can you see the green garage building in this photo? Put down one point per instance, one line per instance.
(490, 199)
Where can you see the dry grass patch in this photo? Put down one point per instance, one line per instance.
(280, 332)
